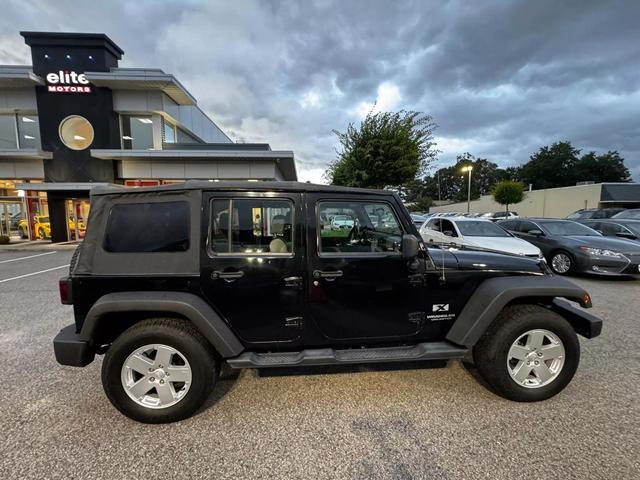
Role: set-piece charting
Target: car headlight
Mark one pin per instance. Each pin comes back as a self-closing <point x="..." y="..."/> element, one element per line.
<point x="601" y="252"/>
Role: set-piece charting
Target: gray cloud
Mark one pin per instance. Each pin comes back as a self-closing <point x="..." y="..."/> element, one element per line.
<point x="500" y="78"/>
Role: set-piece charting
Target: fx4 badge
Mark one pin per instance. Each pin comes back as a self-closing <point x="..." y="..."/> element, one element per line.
<point x="440" y="312"/>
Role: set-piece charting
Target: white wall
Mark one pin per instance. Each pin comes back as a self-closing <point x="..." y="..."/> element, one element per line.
<point x="552" y="202"/>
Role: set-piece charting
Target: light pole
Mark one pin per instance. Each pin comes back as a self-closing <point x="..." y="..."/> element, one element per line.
<point x="468" y="168"/>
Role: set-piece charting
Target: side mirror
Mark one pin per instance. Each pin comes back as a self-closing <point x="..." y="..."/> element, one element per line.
<point x="536" y="232"/>
<point x="410" y="247"/>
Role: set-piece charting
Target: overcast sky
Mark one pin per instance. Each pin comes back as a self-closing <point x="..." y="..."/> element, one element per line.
<point x="500" y="78"/>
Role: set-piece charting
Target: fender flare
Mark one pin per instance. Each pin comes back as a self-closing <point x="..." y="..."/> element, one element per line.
<point x="493" y="294"/>
<point x="188" y="305"/>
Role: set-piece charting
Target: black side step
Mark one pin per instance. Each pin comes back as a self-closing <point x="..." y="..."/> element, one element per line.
<point x="329" y="356"/>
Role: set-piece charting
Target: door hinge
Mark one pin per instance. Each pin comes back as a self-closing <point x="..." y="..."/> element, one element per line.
<point x="295" y="322"/>
<point x="417" y="318"/>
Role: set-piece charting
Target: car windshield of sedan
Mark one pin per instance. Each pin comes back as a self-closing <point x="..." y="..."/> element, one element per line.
<point x="634" y="227"/>
<point x="480" y="228"/>
<point x="568" y="228"/>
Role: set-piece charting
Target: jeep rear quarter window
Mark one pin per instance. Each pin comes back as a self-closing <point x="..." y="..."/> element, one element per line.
<point x="148" y="227"/>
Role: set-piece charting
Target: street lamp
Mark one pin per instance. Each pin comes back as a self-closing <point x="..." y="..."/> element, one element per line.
<point x="468" y="168"/>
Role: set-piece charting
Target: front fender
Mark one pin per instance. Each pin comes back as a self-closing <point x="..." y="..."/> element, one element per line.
<point x="495" y="293"/>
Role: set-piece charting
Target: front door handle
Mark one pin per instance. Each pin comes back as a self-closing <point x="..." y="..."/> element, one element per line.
<point x="328" y="275"/>
<point x="227" y="276"/>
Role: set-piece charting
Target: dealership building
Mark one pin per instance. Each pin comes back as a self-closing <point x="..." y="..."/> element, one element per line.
<point x="74" y="119"/>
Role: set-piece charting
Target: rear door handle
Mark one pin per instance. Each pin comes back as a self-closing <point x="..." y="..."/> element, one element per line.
<point x="228" y="276"/>
<point x="328" y="275"/>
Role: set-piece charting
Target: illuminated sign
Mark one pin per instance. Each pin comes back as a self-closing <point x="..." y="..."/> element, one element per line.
<point x="66" y="81"/>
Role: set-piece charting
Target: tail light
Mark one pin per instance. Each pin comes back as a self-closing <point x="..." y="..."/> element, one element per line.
<point x="64" y="285"/>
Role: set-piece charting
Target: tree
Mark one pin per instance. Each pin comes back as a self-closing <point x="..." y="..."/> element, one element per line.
<point x="608" y="167"/>
<point x="508" y="192"/>
<point x="453" y="182"/>
<point x="561" y="165"/>
<point x="551" y="167"/>
<point x="387" y="149"/>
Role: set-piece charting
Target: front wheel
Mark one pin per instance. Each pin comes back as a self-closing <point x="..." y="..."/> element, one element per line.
<point x="528" y="354"/>
<point x="562" y="263"/>
<point x="159" y="371"/>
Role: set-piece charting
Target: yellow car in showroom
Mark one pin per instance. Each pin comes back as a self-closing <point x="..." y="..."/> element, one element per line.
<point x="42" y="227"/>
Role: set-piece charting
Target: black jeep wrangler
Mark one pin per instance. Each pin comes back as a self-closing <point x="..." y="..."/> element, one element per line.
<point x="172" y="281"/>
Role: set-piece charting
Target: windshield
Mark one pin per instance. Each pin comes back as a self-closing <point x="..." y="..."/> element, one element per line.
<point x="43" y="220"/>
<point x="629" y="214"/>
<point x="341" y="217"/>
<point x="568" y="228"/>
<point x="479" y="228"/>
<point x="634" y="227"/>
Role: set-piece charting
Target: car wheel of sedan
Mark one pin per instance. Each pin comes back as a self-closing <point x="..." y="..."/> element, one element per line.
<point x="562" y="263"/>
<point x="528" y="354"/>
<point x="41" y="234"/>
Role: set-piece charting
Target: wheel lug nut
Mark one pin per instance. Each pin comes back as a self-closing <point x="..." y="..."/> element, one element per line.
<point x="161" y="381"/>
<point x="537" y="362"/>
<point x="151" y="369"/>
<point x="151" y="379"/>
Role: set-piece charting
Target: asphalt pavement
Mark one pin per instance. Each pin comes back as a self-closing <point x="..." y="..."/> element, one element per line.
<point x="404" y="421"/>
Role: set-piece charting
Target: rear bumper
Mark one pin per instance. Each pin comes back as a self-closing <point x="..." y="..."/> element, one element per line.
<point x="71" y="349"/>
<point x="583" y="323"/>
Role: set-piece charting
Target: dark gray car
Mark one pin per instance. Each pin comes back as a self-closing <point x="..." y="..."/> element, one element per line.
<point x="616" y="227"/>
<point x="571" y="247"/>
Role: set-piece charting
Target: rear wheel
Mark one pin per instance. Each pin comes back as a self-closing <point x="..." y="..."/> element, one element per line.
<point x="41" y="233"/>
<point x="159" y="371"/>
<point x="528" y="354"/>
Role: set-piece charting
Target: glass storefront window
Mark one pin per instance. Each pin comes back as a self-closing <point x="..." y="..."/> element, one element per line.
<point x="137" y="132"/>
<point x="8" y="132"/>
<point x="28" y="131"/>
<point x="184" y="137"/>
<point x="169" y="132"/>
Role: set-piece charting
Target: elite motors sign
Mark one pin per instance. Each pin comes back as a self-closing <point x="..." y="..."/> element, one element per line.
<point x="66" y="81"/>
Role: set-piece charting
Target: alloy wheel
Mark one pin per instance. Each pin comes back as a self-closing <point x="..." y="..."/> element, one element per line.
<point x="536" y="358"/>
<point x="561" y="263"/>
<point x="156" y="376"/>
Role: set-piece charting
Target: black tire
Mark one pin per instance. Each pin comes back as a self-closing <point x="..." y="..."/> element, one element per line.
<point x="491" y="351"/>
<point x="572" y="260"/>
<point x="41" y="234"/>
<point x="177" y="334"/>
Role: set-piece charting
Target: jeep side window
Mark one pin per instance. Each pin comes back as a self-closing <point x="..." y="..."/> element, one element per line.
<point x="252" y="226"/>
<point x="148" y="227"/>
<point x="448" y="229"/>
<point x="358" y="227"/>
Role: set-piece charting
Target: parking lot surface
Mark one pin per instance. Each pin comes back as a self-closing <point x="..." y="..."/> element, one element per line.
<point x="403" y="421"/>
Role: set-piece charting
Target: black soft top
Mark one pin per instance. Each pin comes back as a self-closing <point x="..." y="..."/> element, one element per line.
<point x="235" y="185"/>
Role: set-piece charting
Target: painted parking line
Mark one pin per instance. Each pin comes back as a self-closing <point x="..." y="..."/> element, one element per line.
<point x="34" y="273"/>
<point x="25" y="258"/>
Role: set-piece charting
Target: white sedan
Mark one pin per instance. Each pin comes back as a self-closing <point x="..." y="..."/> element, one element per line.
<point x="475" y="232"/>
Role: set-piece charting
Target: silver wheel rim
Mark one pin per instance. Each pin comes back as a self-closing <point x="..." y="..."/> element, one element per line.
<point x="561" y="263"/>
<point x="156" y="376"/>
<point x="536" y="358"/>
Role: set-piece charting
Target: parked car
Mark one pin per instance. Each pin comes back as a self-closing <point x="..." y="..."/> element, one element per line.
<point x="42" y="227"/>
<point x="339" y="222"/>
<point x="586" y="213"/>
<point x="612" y="227"/>
<point x="476" y="232"/>
<point x="418" y="220"/>
<point x="571" y="247"/>
<point x="168" y="306"/>
<point x="631" y="213"/>
<point x="496" y="216"/>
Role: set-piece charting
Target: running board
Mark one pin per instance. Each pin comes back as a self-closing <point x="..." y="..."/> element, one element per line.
<point x="329" y="356"/>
